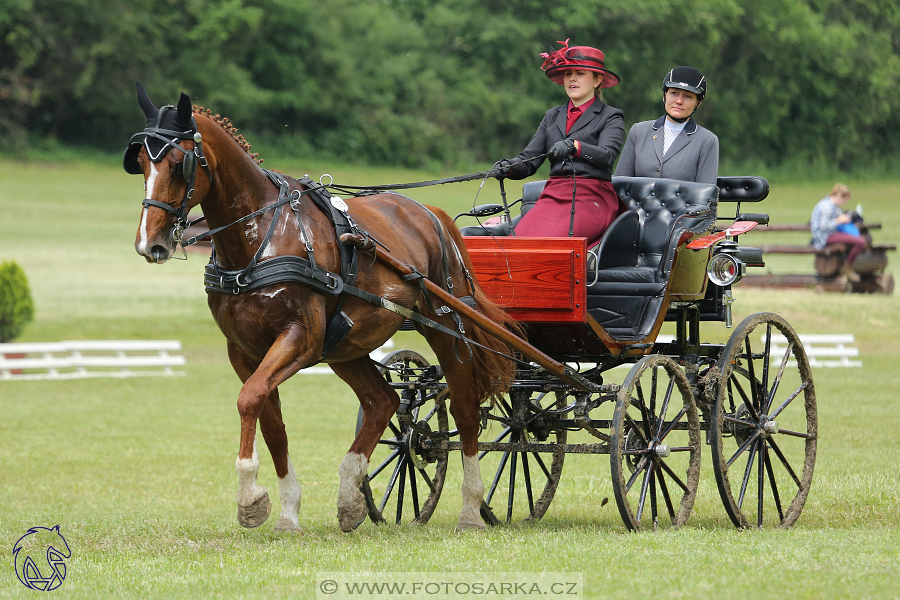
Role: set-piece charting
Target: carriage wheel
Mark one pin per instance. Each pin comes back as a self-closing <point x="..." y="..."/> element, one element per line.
<point x="655" y="446"/>
<point x="406" y="474"/>
<point x="523" y="483"/>
<point x="766" y="418"/>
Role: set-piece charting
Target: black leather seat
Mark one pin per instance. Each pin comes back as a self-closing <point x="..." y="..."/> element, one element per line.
<point x="630" y="266"/>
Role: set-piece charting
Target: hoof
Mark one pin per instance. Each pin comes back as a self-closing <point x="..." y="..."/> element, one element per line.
<point x="285" y="526"/>
<point x="471" y="526"/>
<point x="255" y="514"/>
<point x="352" y="515"/>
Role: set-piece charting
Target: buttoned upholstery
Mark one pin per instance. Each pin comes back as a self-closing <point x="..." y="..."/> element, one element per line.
<point x="632" y="262"/>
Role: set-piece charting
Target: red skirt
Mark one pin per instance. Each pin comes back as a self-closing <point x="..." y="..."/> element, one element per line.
<point x="596" y="206"/>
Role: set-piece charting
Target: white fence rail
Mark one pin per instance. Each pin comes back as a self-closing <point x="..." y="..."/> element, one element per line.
<point x="822" y="349"/>
<point x="90" y="358"/>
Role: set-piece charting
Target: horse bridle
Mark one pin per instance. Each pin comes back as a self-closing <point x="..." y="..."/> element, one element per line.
<point x="170" y="139"/>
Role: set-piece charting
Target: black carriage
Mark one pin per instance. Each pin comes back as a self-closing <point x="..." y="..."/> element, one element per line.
<point x="671" y="257"/>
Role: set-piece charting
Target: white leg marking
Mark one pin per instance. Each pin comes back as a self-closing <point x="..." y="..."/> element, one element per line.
<point x="472" y="493"/>
<point x="247" y="470"/>
<point x="351" y="503"/>
<point x="289" y="490"/>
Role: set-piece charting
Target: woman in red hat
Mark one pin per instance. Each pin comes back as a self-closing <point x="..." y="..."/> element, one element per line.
<point x="583" y="138"/>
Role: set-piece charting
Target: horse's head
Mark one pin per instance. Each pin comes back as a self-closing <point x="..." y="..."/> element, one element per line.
<point x="168" y="153"/>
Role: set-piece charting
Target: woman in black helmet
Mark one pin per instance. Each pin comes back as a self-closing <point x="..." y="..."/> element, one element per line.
<point x="674" y="146"/>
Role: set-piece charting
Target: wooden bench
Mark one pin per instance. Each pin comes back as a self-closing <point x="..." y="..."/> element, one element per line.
<point x="823" y="350"/>
<point x="84" y="359"/>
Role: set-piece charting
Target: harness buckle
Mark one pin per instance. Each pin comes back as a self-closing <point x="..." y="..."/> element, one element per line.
<point x="444" y="310"/>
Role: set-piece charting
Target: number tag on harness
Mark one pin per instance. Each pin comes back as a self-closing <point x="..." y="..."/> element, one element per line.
<point x="339" y="204"/>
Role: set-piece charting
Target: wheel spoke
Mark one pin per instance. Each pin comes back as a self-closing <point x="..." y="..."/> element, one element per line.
<point x="426" y="478"/>
<point x="413" y="487"/>
<point x="635" y="428"/>
<point x="784" y="462"/>
<point x="397" y="433"/>
<point x="761" y="483"/>
<point x="654" y="515"/>
<point x="743" y="447"/>
<point x="665" y="409"/>
<point x="665" y="492"/>
<point x="774" y="487"/>
<point x="674" y="477"/>
<point x="511" y="493"/>
<point x="644" y="486"/>
<point x="381" y="467"/>
<point x="526" y="472"/>
<point x="390" y="486"/>
<point x="654" y="379"/>
<point x="497" y="476"/>
<point x="643" y="408"/>
<point x="540" y="463"/>
<point x="637" y="471"/>
<point x="751" y="368"/>
<point x="790" y="398"/>
<point x="765" y="365"/>
<point x="401" y="489"/>
<point x="747" y="471"/>
<point x="747" y="401"/>
<point x="499" y="438"/>
<point x="778" y="376"/>
<point x="805" y="436"/>
<point x="672" y="424"/>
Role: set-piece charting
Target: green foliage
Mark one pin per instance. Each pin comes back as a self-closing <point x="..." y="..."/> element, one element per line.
<point x="419" y="83"/>
<point x="16" y="307"/>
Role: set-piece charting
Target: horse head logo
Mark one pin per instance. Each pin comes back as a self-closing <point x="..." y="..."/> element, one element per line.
<point x="46" y="544"/>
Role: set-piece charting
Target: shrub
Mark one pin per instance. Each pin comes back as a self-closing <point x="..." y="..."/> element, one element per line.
<point x="16" y="307"/>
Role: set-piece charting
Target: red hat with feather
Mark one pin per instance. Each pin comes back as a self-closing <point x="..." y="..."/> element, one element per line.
<point x="583" y="58"/>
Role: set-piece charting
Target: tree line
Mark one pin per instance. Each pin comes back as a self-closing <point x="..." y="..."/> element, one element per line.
<point x="440" y="82"/>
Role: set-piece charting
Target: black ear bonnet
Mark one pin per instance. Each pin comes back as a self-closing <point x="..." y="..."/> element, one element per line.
<point x="166" y="127"/>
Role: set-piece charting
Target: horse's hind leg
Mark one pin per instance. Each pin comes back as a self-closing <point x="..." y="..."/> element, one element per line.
<point x="379" y="402"/>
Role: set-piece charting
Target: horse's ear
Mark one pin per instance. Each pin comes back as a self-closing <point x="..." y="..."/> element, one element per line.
<point x="183" y="116"/>
<point x="144" y="100"/>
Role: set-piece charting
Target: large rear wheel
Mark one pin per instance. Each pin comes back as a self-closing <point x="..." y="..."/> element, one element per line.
<point x="764" y="429"/>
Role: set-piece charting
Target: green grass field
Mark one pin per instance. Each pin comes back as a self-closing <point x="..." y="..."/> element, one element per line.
<point x="139" y="473"/>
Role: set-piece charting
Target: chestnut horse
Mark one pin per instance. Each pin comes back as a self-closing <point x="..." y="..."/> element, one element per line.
<point x="275" y="331"/>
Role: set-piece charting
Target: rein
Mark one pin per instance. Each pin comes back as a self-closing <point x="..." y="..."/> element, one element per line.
<point x="418" y="184"/>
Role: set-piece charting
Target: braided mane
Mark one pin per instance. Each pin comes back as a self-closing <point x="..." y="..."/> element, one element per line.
<point x="231" y="129"/>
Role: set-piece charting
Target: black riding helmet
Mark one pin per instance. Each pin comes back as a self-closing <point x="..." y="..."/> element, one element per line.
<point x="685" y="78"/>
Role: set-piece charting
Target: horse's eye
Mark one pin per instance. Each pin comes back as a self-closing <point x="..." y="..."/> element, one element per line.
<point x="179" y="169"/>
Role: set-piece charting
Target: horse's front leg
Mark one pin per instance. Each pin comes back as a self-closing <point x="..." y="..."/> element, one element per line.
<point x="379" y="402"/>
<point x="258" y="401"/>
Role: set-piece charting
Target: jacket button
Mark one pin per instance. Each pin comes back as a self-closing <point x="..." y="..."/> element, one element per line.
<point x="657" y="170"/>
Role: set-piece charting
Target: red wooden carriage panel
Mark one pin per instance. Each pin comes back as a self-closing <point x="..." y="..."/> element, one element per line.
<point x="537" y="280"/>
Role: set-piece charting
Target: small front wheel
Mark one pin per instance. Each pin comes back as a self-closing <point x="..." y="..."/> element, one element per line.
<point x="655" y="446"/>
<point x="407" y="469"/>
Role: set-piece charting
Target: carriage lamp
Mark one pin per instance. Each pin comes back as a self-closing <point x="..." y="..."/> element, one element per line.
<point x="724" y="269"/>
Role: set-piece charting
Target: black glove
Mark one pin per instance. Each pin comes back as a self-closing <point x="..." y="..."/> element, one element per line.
<point x="562" y="149"/>
<point x="502" y="168"/>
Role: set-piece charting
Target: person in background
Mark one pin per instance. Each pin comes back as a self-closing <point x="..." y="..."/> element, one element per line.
<point x="831" y="225"/>
<point x="674" y="146"/>
<point x="583" y="137"/>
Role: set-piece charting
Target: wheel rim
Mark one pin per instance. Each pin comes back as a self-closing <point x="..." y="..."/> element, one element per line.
<point x="522" y="483"/>
<point x="406" y="473"/>
<point x="765" y="430"/>
<point x="655" y="446"/>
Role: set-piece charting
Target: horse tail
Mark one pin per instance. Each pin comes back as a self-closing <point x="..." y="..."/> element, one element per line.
<point x="493" y="373"/>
